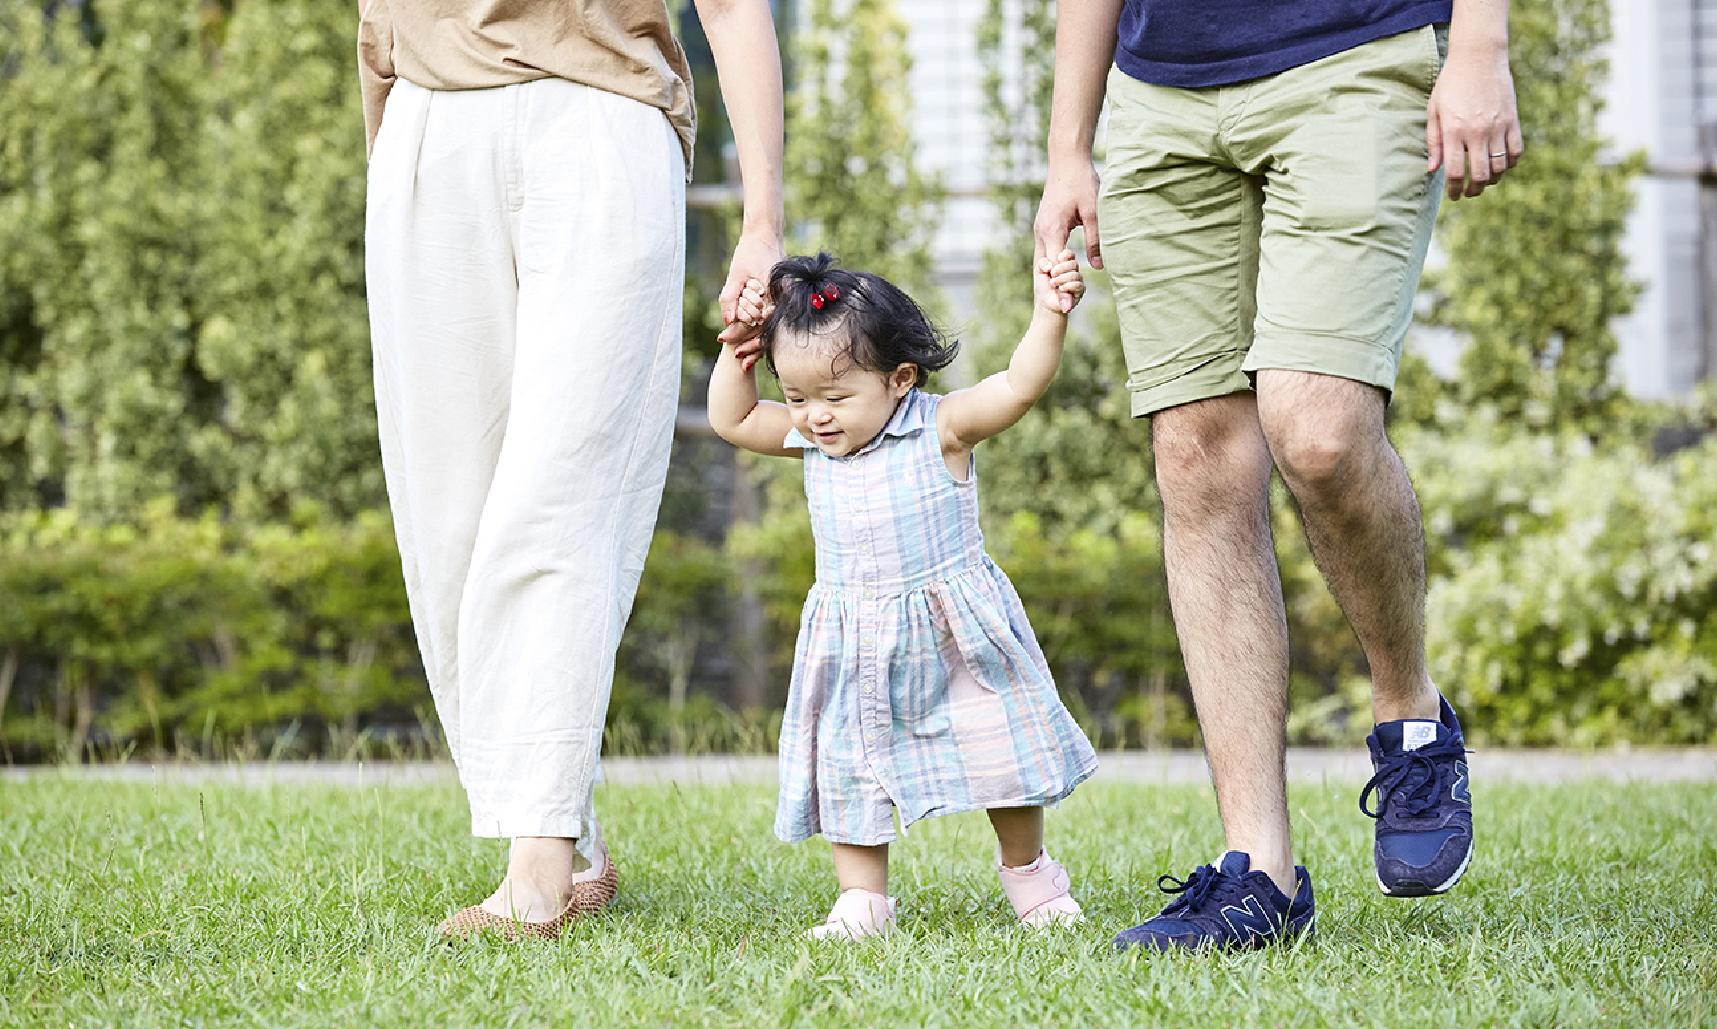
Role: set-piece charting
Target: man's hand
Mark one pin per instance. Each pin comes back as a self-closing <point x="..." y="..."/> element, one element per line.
<point x="1471" y="127"/>
<point x="753" y="258"/>
<point x="1069" y="202"/>
<point x="1085" y="33"/>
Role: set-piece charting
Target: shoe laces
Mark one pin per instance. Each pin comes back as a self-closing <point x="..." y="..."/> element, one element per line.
<point x="1421" y="779"/>
<point x="1194" y="890"/>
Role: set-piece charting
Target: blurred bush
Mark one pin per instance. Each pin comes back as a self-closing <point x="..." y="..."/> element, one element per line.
<point x="191" y="636"/>
<point x="181" y="258"/>
<point x="1573" y="591"/>
<point x="205" y="638"/>
<point x="1573" y="602"/>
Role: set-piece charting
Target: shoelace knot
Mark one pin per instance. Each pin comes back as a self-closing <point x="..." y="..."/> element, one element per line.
<point x="1425" y="779"/>
<point x="1194" y="890"/>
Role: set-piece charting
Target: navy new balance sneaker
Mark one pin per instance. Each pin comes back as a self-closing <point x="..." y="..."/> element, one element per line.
<point x="1424" y="808"/>
<point x="1225" y="907"/>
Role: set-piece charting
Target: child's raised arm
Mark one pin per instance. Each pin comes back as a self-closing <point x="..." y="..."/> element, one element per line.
<point x="735" y="412"/>
<point x="978" y="412"/>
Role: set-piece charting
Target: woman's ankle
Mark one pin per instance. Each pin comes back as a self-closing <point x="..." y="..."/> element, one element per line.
<point x="546" y="862"/>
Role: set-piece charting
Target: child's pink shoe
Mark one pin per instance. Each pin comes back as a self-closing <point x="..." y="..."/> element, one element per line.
<point x="1039" y="893"/>
<point x="856" y="913"/>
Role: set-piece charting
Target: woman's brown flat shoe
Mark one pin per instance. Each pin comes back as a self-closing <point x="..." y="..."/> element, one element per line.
<point x="588" y="897"/>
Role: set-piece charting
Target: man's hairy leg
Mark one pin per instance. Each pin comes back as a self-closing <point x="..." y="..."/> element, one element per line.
<point x="1213" y="470"/>
<point x="1362" y="521"/>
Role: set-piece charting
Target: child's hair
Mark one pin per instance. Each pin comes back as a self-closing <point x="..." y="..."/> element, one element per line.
<point x="882" y="327"/>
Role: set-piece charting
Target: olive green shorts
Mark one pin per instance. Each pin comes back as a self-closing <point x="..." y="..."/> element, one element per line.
<point x="1280" y="222"/>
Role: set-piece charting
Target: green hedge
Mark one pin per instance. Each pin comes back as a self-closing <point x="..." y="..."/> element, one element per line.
<point x="1573" y="597"/>
<point x="193" y="636"/>
<point x="1573" y="601"/>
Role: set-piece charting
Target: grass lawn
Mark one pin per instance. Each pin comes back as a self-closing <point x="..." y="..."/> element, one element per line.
<point x="1586" y="904"/>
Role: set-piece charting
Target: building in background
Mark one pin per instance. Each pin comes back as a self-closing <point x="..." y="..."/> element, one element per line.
<point x="952" y="137"/>
<point x="1662" y="99"/>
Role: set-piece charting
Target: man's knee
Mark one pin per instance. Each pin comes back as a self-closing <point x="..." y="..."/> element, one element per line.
<point x="1323" y="435"/>
<point x="1210" y="455"/>
<point x="1316" y="456"/>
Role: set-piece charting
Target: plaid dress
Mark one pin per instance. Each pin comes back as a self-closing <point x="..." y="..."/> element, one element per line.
<point x="917" y="683"/>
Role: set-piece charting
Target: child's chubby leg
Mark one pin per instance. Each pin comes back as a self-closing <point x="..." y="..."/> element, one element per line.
<point x="1035" y="883"/>
<point x="1019" y="833"/>
<point x="864" y="907"/>
<point x="861" y="868"/>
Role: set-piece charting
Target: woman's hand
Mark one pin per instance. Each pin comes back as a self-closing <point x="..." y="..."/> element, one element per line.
<point x="753" y="258"/>
<point x="741" y="36"/>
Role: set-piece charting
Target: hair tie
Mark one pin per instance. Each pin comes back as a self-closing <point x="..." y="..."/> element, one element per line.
<point x="829" y="294"/>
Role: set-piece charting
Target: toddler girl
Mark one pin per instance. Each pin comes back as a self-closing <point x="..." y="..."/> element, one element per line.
<point x="918" y="686"/>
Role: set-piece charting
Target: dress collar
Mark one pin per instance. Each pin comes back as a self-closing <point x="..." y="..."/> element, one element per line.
<point x="910" y="417"/>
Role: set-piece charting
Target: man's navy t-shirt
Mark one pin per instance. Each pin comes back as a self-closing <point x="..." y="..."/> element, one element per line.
<point x="1214" y="42"/>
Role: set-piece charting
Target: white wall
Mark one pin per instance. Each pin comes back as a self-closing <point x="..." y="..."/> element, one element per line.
<point x="949" y="130"/>
<point x="1651" y="107"/>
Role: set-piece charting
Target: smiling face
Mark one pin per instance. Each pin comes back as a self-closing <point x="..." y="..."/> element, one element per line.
<point x="835" y="404"/>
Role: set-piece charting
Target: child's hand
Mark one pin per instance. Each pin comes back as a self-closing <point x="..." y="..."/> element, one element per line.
<point x="752" y="308"/>
<point x="1057" y="283"/>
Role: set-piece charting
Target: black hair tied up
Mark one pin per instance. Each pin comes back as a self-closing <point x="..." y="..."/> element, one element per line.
<point x="882" y="327"/>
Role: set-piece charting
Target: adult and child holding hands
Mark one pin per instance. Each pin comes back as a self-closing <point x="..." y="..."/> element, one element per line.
<point x="1272" y="173"/>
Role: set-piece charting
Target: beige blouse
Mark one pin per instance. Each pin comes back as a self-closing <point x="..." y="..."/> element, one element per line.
<point x="622" y="46"/>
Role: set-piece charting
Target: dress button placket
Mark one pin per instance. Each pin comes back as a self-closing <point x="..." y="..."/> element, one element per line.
<point x="873" y="712"/>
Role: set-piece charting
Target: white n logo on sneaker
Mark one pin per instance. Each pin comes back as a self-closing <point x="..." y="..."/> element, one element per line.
<point x="1249" y="919"/>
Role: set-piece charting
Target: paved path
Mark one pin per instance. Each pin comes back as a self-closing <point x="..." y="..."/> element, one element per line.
<point x="1348" y="767"/>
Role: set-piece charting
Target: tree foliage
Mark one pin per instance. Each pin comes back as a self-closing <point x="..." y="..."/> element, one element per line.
<point x="1078" y="460"/>
<point x="851" y="184"/>
<point x="1535" y="271"/>
<point x="181" y="219"/>
<point x="287" y="339"/>
<point x="1015" y="45"/>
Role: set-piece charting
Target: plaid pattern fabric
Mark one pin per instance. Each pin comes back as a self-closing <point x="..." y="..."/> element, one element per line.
<point x="918" y="685"/>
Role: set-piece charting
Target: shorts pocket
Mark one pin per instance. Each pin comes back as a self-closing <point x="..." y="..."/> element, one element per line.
<point x="1436" y="40"/>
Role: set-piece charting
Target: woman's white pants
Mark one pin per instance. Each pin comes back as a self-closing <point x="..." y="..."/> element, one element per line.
<point x="525" y="248"/>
